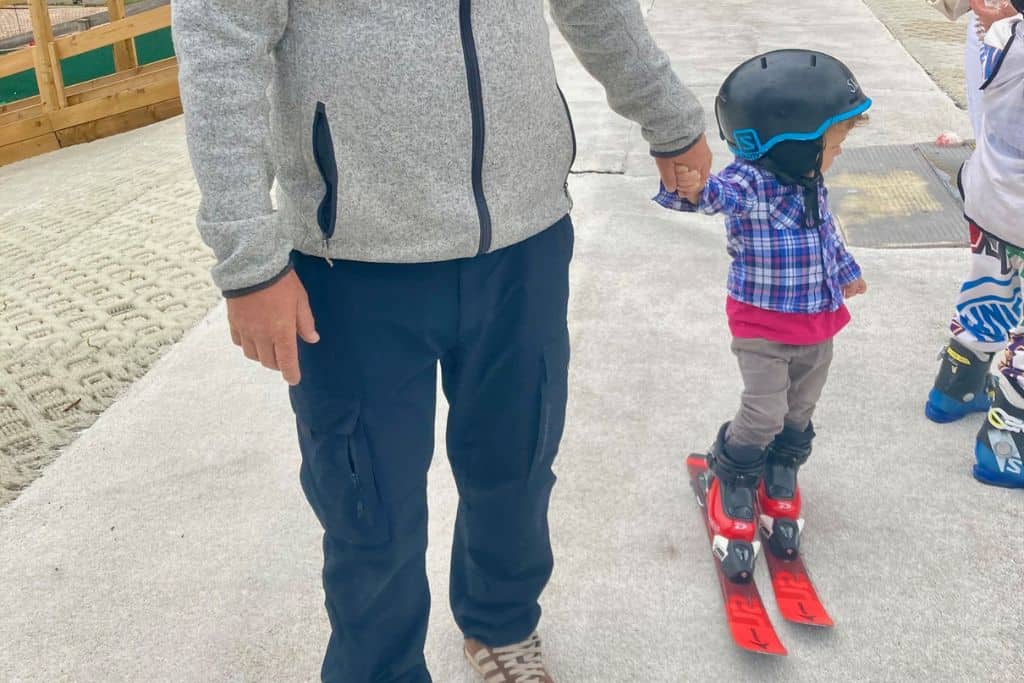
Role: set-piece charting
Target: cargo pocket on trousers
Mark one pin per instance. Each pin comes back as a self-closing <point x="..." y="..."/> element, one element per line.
<point x="554" y="394"/>
<point x="338" y="478"/>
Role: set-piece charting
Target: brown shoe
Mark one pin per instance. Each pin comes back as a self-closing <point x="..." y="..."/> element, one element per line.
<point x="518" y="663"/>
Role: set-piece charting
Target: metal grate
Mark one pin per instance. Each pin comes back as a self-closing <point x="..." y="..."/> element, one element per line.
<point x="899" y="196"/>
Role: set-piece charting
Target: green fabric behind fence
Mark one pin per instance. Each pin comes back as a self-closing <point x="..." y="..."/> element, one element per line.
<point x="151" y="47"/>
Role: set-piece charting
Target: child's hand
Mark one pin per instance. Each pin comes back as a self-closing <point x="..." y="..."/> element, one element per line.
<point x="856" y="287"/>
<point x="988" y="16"/>
<point x="690" y="184"/>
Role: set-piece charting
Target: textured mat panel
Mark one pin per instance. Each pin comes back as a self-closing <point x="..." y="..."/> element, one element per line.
<point x="101" y="269"/>
<point x="899" y="196"/>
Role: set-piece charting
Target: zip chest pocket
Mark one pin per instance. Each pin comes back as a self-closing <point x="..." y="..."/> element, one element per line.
<point x="327" y="164"/>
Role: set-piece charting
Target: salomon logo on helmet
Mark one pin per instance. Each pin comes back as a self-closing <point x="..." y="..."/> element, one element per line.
<point x="748" y="144"/>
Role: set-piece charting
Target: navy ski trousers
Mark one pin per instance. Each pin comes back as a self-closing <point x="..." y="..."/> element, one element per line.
<point x="365" y="411"/>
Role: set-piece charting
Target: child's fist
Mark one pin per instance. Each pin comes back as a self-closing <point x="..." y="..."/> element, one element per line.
<point x="856" y="287"/>
<point x="689" y="184"/>
<point x="988" y="15"/>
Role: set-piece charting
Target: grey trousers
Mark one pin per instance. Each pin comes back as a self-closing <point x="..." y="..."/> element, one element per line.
<point x="781" y="387"/>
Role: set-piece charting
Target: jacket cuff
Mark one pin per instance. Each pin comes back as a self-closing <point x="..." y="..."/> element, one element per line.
<point x="235" y="293"/>
<point x="673" y="200"/>
<point x="674" y="149"/>
<point x="849" y="273"/>
<point x="250" y="252"/>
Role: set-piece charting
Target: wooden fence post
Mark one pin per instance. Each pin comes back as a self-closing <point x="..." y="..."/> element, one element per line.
<point x="125" y="56"/>
<point x="48" y="72"/>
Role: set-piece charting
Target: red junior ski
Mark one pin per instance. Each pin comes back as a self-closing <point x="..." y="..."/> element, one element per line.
<point x="794" y="592"/>
<point x="748" y="621"/>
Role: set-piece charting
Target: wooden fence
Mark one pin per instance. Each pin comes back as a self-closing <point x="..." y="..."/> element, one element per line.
<point x="63" y="115"/>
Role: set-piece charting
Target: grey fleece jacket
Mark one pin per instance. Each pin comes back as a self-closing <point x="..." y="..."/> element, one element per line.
<point x="398" y="130"/>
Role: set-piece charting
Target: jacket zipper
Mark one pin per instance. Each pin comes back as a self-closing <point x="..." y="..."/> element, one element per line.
<point x="326" y="161"/>
<point x="476" y="109"/>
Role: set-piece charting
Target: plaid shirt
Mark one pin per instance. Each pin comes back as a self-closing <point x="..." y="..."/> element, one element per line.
<point x="778" y="263"/>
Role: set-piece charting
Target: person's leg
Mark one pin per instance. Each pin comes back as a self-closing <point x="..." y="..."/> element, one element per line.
<point x="779" y="495"/>
<point x="764" y="366"/>
<point x="999" y="449"/>
<point x="365" y="413"/>
<point x="808" y="373"/>
<point x="506" y="384"/>
<point x="988" y="307"/>
<point x="989" y="303"/>
<point x="737" y="457"/>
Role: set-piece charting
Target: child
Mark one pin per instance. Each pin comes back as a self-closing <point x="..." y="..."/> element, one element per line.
<point x="785" y="115"/>
<point x="988" y="311"/>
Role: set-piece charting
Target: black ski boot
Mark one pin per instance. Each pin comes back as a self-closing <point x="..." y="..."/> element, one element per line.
<point x="731" y="504"/>
<point x="962" y="385"/>
<point x="1000" y="442"/>
<point x="778" y="496"/>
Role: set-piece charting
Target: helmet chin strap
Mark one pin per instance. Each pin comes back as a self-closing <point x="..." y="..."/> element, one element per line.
<point x="787" y="168"/>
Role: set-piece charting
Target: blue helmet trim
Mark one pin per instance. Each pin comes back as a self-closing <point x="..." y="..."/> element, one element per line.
<point x="749" y="145"/>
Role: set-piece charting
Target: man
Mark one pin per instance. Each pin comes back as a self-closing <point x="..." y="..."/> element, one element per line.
<point x="422" y="151"/>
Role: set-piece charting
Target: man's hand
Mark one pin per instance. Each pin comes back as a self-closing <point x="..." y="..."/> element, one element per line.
<point x="988" y="16"/>
<point x="697" y="158"/>
<point x="856" y="287"/>
<point x="266" y="325"/>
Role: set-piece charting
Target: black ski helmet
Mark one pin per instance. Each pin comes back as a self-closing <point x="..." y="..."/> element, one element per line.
<point x="785" y="95"/>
